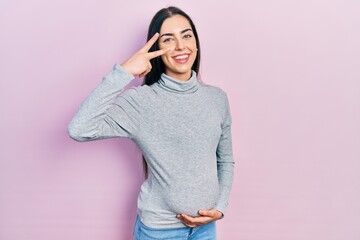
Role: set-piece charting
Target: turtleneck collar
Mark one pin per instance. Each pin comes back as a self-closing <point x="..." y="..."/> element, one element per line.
<point x="177" y="86"/>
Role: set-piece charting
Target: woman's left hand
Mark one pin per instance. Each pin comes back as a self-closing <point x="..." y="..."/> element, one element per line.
<point x="206" y="216"/>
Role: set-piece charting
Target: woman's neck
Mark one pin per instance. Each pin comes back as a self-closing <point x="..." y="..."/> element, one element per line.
<point x="174" y="85"/>
<point x="179" y="76"/>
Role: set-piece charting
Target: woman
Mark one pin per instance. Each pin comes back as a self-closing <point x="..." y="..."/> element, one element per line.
<point x="181" y="126"/>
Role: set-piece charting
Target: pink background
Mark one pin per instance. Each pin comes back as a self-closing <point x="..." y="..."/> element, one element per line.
<point x="291" y="71"/>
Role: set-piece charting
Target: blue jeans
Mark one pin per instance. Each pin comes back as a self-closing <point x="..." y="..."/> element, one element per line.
<point x="204" y="232"/>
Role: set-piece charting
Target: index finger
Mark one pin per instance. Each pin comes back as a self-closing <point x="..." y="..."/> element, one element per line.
<point x="151" y="42"/>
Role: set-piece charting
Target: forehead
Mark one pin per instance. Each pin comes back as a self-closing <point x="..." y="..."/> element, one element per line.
<point x="175" y="24"/>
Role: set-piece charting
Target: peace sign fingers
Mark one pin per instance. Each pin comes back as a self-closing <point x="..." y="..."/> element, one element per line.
<point x="157" y="53"/>
<point x="139" y="64"/>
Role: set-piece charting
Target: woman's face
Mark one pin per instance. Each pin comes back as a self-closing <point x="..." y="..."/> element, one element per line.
<point x="176" y="33"/>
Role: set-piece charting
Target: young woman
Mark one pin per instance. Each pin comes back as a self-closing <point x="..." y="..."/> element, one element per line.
<point x="181" y="126"/>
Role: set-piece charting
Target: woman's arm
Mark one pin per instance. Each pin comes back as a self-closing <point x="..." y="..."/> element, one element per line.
<point x="225" y="162"/>
<point x="102" y="115"/>
<point x="94" y="118"/>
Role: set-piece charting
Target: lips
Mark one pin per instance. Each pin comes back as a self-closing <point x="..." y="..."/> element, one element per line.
<point x="181" y="58"/>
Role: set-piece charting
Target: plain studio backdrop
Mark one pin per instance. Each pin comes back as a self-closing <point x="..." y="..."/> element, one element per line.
<point x="291" y="70"/>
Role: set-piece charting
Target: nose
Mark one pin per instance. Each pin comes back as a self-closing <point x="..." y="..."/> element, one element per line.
<point x="179" y="44"/>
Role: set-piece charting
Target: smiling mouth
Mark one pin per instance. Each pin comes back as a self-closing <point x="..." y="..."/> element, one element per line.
<point x="181" y="58"/>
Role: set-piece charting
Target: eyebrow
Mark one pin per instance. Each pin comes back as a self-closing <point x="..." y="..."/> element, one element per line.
<point x="171" y="34"/>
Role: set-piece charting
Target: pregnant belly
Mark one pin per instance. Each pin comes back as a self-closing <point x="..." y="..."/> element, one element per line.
<point x="189" y="197"/>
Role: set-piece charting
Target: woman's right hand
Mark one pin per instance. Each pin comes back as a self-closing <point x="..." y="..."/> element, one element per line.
<point x="139" y="64"/>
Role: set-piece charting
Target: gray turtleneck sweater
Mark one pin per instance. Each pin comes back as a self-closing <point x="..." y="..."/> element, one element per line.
<point x="183" y="131"/>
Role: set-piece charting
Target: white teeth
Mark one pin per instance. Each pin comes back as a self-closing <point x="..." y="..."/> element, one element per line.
<point x="182" y="57"/>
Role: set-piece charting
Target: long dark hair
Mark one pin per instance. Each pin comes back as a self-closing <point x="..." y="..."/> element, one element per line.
<point x="158" y="66"/>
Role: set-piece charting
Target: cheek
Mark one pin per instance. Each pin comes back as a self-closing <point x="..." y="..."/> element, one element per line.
<point x="166" y="45"/>
<point x="193" y="48"/>
<point x="165" y="59"/>
<point x="192" y="44"/>
<point x="161" y="46"/>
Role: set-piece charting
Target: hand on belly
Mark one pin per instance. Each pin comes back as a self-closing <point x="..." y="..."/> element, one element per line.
<point x="205" y="217"/>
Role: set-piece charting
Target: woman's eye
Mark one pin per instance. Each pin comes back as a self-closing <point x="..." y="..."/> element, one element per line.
<point x="167" y="40"/>
<point x="187" y="36"/>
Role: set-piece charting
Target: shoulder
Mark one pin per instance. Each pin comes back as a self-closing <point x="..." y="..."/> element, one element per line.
<point x="139" y="94"/>
<point x="138" y="90"/>
<point x="215" y="91"/>
<point x="218" y="98"/>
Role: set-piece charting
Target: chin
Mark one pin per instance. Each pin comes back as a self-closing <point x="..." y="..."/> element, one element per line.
<point x="181" y="69"/>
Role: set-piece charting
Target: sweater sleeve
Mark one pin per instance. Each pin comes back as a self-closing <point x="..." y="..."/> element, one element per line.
<point x="106" y="113"/>
<point x="225" y="162"/>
